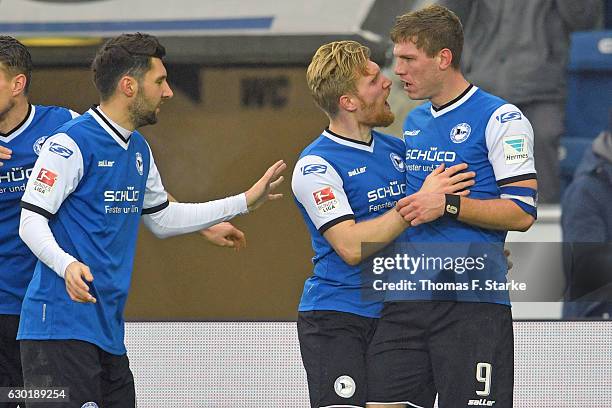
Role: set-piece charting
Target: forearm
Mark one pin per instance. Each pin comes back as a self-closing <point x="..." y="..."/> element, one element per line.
<point x="496" y="214"/>
<point x="347" y="240"/>
<point x="35" y="232"/>
<point x="183" y="218"/>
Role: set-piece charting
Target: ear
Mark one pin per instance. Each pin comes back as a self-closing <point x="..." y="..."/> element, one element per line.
<point x="348" y="103"/>
<point x="128" y="86"/>
<point x="19" y="83"/>
<point x="446" y="58"/>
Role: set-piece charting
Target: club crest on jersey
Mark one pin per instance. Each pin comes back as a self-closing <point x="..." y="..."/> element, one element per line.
<point x="325" y="200"/>
<point x="38" y="144"/>
<point x="314" y="168"/>
<point x="398" y="162"/>
<point x="139" y="163"/>
<point x="45" y="181"/>
<point x="60" y="150"/>
<point x="460" y="133"/>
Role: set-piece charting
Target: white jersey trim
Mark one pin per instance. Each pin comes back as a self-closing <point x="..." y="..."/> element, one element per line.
<point x="21" y="128"/>
<point x="455" y="105"/>
<point x="98" y="115"/>
<point x="348" y="143"/>
<point x="155" y="193"/>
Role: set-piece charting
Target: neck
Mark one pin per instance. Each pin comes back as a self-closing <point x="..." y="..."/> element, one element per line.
<point x="118" y="114"/>
<point x="454" y="86"/>
<point x="14" y="116"/>
<point x="351" y="129"/>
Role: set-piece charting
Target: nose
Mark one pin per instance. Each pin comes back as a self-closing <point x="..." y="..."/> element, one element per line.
<point x="398" y="68"/>
<point x="386" y="82"/>
<point x="167" y="93"/>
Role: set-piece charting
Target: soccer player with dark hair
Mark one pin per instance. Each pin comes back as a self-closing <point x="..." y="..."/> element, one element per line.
<point x="460" y="340"/>
<point x="93" y="182"/>
<point x="346" y="184"/>
<point x="23" y="129"/>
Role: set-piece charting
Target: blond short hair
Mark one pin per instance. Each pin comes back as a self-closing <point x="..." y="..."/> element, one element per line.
<point x="334" y="71"/>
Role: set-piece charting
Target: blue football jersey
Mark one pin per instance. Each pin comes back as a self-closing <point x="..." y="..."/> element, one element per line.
<point x="93" y="181"/>
<point x="496" y="140"/>
<point x="337" y="179"/>
<point x="16" y="260"/>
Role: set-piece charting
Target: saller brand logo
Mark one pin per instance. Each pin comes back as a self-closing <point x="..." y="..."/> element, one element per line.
<point x="483" y="402"/>
<point x="358" y="170"/>
<point x="106" y="163"/>
<point x="412" y="132"/>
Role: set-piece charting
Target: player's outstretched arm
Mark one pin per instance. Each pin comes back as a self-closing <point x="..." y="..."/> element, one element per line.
<point x="5" y="154"/>
<point x="347" y="237"/>
<point x="223" y="234"/>
<point x="261" y="191"/>
<point x="172" y="218"/>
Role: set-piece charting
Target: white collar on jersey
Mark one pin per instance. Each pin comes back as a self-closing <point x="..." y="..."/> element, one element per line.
<point x="21" y="127"/>
<point x="120" y="134"/>
<point x="347" y="142"/>
<point x="454" y="104"/>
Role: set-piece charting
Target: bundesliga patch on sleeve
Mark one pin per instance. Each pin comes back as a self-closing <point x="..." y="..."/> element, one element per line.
<point x="515" y="149"/>
<point x="325" y="200"/>
<point x="45" y="181"/>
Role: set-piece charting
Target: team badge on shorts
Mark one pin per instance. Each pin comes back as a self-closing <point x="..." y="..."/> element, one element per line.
<point x="460" y="133"/>
<point x="38" y="144"/>
<point x="345" y="386"/>
<point x="89" y="405"/>
<point x="139" y="163"/>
